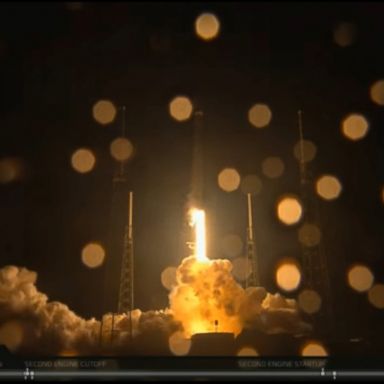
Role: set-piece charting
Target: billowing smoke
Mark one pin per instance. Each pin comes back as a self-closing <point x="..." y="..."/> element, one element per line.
<point x="205" y="298"/>
<point x="32" y="325"/>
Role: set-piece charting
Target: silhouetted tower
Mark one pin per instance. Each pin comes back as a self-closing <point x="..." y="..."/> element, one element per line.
<point x="126" y="293"/>
<point x="314" y="260"/>
<point x="253" y="279"/>
<point x="119" y="269"/>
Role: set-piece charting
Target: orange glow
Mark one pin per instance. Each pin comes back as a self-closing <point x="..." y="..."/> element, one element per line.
<point x="121" y="149"/>
<point x="344" y="34"/>
<point x="309" y="301"/>
<point x="360" y="278"/>
<point x="181" y="108"/>
<point x="260" y="115"/>
<point x="247" y="351"/>
<point x="201" y="326"/>
<point x="229" y="179"/>
<point x="207" y="26"/>
<point x="288" y="275"/>
<point x="178" y="344"/>
<point x="273" y="167"/>
<point x="309" y="235"/>
<point x="328" y="187"/>
<point x="198" y="221"/>
<point x="11" y="170"/>
<point x="289" y="210"/>
<point x="355" y="127"/>
<point x="305" y="150"/>
<point x="376" y="296"/>
<point x="168" y="277"/>
<point x="11" y="335"/>
<point x="314" y="348"/>
<point x="68" y="353"/>
<point x="83" y="160"/>
<point x="377" y="92"/>
<point x="93" y="255"/>
<point x="104" y="112"/>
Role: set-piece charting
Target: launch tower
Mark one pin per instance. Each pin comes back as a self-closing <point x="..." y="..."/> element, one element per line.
<point x="253" y="279"/>
<point x="314" y="260"/>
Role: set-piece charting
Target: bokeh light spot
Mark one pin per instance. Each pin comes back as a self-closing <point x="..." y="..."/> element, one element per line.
<point x="121" y="149"/>
<point x="83" y="160"/>
<point x="178" y="344"/>
<point x="168" y="277"/>
<point x="260" y="115"/>
<point x="74" y="5"/>
<point x="11" y="170"/>
<point x="309" y="301"/>
<point x="11" y="335"/>
<point x="355" y="127"/>
<point x="377" y="92"/>
<point x="288" y="275"/>
<point x="273" y="167"/>
<point x="207" y="26"/>
<point x="344" y="34"/>
<point x="251" y="184"/>
<point x="309" y="235"/>
<point x="229" y="179"/>
<point x="289" y="210"/>
<point x="376" y="296"/>
<point x="247" y="351"/>
<point x="104" y="112"/>
<point x="314" y="348"/>
<point x="305" y="150"/>
<point x="242" y="268"/>
<point x="93" y="255"/>
<point x="181" y="108"/>
<point x="68" y="352"/>
<point x="360" y="278"/>
<point x="232" y="245"/>
<point x="328" y="187"/>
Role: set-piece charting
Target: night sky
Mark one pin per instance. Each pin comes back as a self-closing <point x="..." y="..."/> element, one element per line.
<point x="58" y="60"/>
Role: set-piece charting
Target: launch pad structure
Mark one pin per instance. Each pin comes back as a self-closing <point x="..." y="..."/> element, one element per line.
<point x="123" y="226"/>
<point x="253" y="278"/>
<point x="314" y="261"/>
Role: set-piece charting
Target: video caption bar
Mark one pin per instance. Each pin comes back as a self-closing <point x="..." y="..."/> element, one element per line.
<point x="322" y="375"/>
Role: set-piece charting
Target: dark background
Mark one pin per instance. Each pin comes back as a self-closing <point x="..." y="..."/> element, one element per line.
<point x="56" y="62"/>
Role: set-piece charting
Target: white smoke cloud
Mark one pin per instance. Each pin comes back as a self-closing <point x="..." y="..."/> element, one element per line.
<point x="204" y="292"/>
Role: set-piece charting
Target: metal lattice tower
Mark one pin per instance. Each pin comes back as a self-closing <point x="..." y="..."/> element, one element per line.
<point x="122" y="243"/>
<point x="126" y="292"/>
<point x="126" y="288"/>
<point x="314" y="260"/>
<point x="254" y="277"/>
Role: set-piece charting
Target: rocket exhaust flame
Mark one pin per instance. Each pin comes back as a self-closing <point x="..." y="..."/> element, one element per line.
<point x="198" y="221"/>
<point x="205" y="298"/>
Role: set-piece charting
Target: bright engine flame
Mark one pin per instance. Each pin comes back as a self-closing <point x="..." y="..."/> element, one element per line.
<point x="198" y="221"/>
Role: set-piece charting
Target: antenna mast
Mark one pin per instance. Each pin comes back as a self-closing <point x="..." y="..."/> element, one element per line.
<point x="253" y="279"/>
<point x="314" y="260"/>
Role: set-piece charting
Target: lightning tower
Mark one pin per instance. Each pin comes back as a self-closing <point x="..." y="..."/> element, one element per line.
<point x="314" y="260"/>
<point x="119" y="287"/>
<point x="253" y="279"/>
